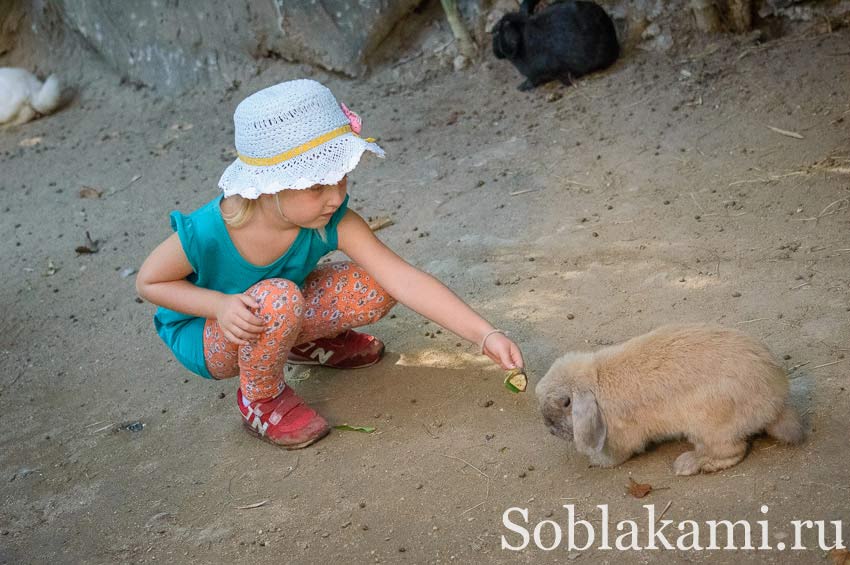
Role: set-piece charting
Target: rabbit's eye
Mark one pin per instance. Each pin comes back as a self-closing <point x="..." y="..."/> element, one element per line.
<point x="567" y="403"/>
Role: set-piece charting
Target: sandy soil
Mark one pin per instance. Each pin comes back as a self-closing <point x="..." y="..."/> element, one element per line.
<point x="574" y="218"/>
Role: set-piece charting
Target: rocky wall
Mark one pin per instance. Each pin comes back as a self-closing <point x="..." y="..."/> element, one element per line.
<point x="174" y="44"/>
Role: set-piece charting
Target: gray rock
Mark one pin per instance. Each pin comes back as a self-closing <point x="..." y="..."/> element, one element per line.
<point x="175" y="46"/>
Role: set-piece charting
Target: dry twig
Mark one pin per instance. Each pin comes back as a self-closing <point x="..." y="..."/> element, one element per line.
<point x="770" y="178"/>
<point x="750" y="321"/>
<point x="828" y="364"/>
<point x="483" y="474"/>
<point x="663" y="512"/>
<point x="255" y="505"/>
<point x="785" y="132"/>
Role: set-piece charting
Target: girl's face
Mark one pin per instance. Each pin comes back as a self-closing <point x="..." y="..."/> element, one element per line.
<point x="312" y="207"/>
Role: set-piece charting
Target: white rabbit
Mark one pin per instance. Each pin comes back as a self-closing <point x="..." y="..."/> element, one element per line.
<point x="23" y="97"/>
<point x="712" y="385"/>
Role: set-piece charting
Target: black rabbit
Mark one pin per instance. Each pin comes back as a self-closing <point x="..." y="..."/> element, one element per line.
<point x="563" y="42"/>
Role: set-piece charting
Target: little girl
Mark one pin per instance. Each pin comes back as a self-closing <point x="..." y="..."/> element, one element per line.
<point x="238" y="285"/>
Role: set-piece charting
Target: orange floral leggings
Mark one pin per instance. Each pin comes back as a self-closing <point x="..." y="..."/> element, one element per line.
<point x="335" y="297"/>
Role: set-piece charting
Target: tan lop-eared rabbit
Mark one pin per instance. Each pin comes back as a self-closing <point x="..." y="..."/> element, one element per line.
<point x="712" y="385"/>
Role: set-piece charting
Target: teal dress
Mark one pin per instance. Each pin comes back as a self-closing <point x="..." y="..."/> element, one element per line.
<point x="217" y="265"/>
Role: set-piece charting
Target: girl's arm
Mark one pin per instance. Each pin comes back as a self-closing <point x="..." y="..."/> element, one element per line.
<point x="420" y="291"/>
<point x="162" y="281"/>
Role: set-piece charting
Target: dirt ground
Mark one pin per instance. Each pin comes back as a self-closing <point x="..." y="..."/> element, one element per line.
<point x="573" y="217"/>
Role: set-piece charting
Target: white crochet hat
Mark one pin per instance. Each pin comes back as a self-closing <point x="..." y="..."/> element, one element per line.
<point x="292" y="136"/>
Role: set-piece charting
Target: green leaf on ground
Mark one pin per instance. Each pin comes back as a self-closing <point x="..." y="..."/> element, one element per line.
<point x="348" y="428"/>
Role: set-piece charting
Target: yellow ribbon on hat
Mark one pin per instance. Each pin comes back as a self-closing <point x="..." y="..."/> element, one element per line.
<point x="301" y="149"/>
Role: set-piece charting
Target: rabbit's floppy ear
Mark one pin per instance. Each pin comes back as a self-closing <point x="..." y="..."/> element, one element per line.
<point x="589" y="431"/>
<point x="508" y="37"/>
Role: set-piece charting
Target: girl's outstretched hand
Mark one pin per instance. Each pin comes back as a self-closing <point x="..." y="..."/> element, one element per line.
<point x="504" y="352"/>
<point x="238" y="322"/>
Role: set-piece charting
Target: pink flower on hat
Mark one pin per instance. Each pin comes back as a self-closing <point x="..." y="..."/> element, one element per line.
<point x="353" y="118"/>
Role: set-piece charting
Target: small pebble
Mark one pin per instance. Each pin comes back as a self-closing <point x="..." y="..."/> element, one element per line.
<point x="221" y="395"/>
<point x="570" y="316"/>
<point x="736" y="295"/>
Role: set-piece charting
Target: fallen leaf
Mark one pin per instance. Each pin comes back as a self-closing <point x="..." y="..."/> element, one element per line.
<point x="452" y="118"/>
<point x="90" y="192"/>
<point x="638" y="490"/>
<point x="255" y="505"/>
<point x="90" y="246"/>
<point x="840" y="556"/>
<point x="346" y="427"/>
<point x="380" y="223"/>
<point x="30" y="141"/>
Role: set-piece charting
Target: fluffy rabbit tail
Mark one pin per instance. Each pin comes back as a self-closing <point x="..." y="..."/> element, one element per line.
<point x="47" y="99"/>
<point x="786" y="427"/>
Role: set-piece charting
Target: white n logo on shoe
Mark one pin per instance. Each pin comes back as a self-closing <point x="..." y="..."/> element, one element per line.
<point x="319" y="354"/>
<point x="257" y="424"/>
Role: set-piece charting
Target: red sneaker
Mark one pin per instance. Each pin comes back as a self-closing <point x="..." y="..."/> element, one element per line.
<point x="283" y="420"/>
<point x="348" y="350"/>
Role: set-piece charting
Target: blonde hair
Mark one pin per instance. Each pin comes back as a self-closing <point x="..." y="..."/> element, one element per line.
<point x="243" y="212"/>
<point x="245" y="209"/>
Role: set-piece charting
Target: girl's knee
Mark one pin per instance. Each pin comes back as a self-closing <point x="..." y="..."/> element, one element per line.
<point x="280" y="305"/>
<point x="384" y="303"/>
<point x="373" y="293"/>
<point x="373" y="300"/>
<point x="277" y="295"/>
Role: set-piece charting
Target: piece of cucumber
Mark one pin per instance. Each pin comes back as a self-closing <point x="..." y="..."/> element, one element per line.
<point x="516" y="381"/>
